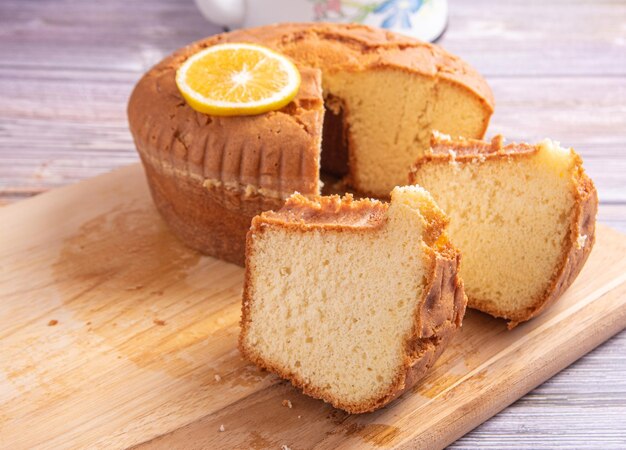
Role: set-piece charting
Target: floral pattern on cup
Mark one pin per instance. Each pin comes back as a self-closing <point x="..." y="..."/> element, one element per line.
<point x="393" y="13"/>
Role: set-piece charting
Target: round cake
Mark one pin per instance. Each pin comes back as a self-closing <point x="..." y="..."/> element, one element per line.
<point x="366" y="108"/>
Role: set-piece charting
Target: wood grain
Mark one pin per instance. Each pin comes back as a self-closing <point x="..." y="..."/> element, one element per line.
<point x="131" y="341"/>
<point x="557" y="69"/>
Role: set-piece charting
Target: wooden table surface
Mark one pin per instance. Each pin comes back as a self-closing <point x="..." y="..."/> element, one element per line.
<point x="557" y="69"/>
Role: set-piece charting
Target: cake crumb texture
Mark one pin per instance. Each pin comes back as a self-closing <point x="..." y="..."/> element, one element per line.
<point x="522" y="215"/>
<point x="351" y="300"/>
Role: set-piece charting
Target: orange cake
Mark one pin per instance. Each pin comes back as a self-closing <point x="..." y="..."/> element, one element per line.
<point x="522" y="215"/>
<point x="351" y="300"/>
<point x="365" y="110"/>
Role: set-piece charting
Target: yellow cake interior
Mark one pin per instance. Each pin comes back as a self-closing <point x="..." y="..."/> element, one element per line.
<point x="511" y="220"/>
<point x="328" y="303"/>
<point x="390" y="115"/>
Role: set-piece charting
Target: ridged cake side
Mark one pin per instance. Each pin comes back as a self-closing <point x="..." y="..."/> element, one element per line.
<point x="210" y="175"/>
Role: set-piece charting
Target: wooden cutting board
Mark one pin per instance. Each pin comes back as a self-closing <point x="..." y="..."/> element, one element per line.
<point x="113" y="334"/>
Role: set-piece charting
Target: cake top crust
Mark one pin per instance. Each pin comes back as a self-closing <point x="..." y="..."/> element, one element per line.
<point x="328" y="212"/>
<point x="444" y="149"/>
<point x="348" y="46"/>
<point x="462" y="148"/>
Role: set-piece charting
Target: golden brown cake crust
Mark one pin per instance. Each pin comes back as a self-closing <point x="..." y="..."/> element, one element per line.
<point x="438" y="315"/>
<point x="248" y="155"/>
<point x="329" y="213"/>
<point x="582" y="223"/>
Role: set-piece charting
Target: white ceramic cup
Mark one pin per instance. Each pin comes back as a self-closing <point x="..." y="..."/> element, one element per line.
<point x="422" y="19"/>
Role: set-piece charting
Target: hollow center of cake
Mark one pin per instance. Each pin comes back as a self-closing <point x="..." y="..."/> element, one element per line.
<point x="334" y="159"/>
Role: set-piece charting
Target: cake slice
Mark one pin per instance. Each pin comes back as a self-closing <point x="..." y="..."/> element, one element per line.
<point x="522" y="215"/>
<point x="351" y="300"/>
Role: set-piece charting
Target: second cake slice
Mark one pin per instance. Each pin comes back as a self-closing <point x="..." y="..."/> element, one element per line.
<point x="522" y="215"/>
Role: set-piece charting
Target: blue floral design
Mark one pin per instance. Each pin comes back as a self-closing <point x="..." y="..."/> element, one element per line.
<point x="399" y="10"/>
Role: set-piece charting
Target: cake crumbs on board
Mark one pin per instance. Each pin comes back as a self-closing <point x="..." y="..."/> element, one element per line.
<point x="218" y="378"/>
<point x="222" y="429"/>
<point x="53" y="322"/>
<point x="158" y="322"/>
<point x="287" y="403"/>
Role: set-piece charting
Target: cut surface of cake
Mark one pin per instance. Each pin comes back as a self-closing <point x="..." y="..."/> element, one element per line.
<point x="351" y="300"/>
<point x="522" y="215"/>
<point x="373" y="95"/>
